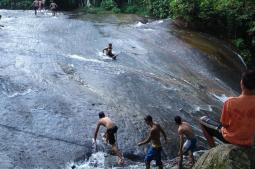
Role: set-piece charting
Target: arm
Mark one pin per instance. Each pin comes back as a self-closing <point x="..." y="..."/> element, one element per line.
<point x="145" y="141"/>
<point x="105" y="49"/>
<point x="163" y="132"/>
<point x="225" y="115"/>
<point x="97" y="129"/>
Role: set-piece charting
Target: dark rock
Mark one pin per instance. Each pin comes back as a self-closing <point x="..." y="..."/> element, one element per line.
<point x="227" y="156"/>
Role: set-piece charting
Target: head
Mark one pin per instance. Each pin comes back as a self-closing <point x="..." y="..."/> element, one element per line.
<point x="148" y="120"/>
<point x="248" y="80"/>
<point x="178" y="120"/>
<point x="110" y="45"/>
<point x="101" y="115"/>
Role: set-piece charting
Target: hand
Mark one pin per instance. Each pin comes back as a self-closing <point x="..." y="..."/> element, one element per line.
<point x="94" y="141"/>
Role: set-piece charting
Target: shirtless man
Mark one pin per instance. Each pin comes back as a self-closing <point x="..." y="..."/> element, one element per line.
<point x="53" y="7"/>
<point x="109" y="135"/>
<point x="154" y="152"/>
<point x="109" y="52"/>
<point x="35" y="6"/>
<point x="185" y="129"/>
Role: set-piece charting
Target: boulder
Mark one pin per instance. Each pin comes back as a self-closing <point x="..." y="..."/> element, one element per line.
<point x="227" y="156"/>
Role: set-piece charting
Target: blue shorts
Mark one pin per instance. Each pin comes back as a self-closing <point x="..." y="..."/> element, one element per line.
<point x="154" y="154"/>
<point x="189" y="145"/>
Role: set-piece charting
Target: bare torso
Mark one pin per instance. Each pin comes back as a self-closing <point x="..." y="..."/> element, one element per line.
<point x="186" y="130"/>
<point x="155" y="136"/>
<point x="106" y="122"/>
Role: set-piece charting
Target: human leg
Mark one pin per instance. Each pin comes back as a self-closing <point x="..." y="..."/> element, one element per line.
<point x="118" y="153"/>
<point x="191" y="158"/>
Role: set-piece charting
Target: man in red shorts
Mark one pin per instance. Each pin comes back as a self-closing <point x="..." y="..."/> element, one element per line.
<point x="237" y="118"/>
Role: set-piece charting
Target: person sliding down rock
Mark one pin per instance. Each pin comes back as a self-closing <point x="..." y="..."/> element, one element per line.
<point x="109" y="52"/>
<point x="111" y="130"/>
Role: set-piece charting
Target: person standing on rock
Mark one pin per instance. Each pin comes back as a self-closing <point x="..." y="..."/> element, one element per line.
<point x="53" y="7"/>
<point x="237" y="118"/>
<point x="111" y="130"/>
<point x="185" y="130"/>
<point x="35" y="6"/>
<point x="154" y="152"/>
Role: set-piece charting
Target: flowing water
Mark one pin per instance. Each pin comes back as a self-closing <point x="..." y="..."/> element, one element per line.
<point x="55" y="79"/>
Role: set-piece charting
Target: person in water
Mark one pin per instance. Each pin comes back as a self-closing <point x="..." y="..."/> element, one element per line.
<point x="111" y="130"/>
<point x="53" y="7"/>
<point x="238" y="117"/>
<point x="35" y="6"/>
<point x="109" y="51"/>
<point x="185" y="130"/>
<point x="154" y="152"/>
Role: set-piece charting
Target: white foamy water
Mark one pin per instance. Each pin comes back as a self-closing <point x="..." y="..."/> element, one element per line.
<point x="101" y="160"/>
<point x="203" y="107"/>
<point x="14" y="94"/>
<point x="221" y="97"/>
<point x="78" y="57"/>
<point x="139" y="24"/>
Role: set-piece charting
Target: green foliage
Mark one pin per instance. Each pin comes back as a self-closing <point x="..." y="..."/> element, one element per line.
<point x="182" y="9"/>
<point x="130" y="9"/>
<point x="116" y="10"/>
<point x="160" y="8"/>
<point x="108" y="4"/>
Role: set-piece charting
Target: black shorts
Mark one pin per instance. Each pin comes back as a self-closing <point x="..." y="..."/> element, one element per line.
<point x="212" y="128"/>
<point x="110" y="133"/>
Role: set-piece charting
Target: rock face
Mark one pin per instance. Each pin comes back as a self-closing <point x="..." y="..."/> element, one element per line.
<point x="227" y="156"/>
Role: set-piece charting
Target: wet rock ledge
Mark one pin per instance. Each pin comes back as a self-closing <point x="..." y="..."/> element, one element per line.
<point x="227" y="156"/>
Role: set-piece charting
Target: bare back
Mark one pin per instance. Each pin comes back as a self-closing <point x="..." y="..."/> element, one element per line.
<point x="186" y="130"/>
<point x="106" y="122"/>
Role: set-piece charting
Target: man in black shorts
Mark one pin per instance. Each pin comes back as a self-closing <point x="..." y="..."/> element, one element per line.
<point x="111" y="130"/>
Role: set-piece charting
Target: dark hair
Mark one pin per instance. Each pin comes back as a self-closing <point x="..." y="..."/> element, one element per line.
<point x="148" y="118"/>
<point x="101" y="114"/>
<point x="178" y="119"/>
<point x="248" y="78"/>
<point x="110" y="44"/>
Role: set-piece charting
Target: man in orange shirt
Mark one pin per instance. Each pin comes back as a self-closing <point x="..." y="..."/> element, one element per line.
<point x="237" y="118"/>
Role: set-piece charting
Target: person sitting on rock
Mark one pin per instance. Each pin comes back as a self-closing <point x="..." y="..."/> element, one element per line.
<point x="185" y="129"/>
<point x="237" y="118"/>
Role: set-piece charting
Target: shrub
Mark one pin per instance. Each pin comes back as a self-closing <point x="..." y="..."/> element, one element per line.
<point x="116" y="10"/>
<point x="108" y="4"/>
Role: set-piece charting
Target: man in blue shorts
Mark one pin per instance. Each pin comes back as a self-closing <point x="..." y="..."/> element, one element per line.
<point x="154" y="152"/>
<point x="189" y="146"/>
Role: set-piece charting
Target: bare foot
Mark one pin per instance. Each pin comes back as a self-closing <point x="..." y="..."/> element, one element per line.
<point x="120" y="160"/>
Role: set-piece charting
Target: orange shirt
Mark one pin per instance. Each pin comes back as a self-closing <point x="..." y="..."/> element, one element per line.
<point x="238" y="120"/>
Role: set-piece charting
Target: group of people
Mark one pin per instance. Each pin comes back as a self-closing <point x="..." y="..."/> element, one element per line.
<point x="40" y="4"/>
<point x="237" y="126"/>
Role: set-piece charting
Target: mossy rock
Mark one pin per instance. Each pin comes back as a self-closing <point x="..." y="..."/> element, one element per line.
<point x="227" y="156"/>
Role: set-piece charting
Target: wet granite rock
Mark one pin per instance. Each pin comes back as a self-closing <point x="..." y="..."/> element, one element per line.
<point x="227" y="156"/>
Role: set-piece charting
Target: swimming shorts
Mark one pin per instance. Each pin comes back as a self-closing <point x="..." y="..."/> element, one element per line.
<point x="189" y="145"/>
<point x="212" y="128"/>
<point x="110" y="133"/>
<point x="154" y="154"/>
